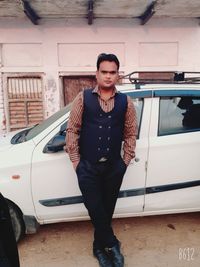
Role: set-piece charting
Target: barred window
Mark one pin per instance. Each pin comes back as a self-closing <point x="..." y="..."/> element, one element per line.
<point x="25" y="103"/>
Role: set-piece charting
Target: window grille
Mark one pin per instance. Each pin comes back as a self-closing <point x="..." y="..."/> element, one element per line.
<point x="25" y="105"/>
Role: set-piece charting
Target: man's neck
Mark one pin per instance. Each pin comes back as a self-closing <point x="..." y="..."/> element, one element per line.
<point x="106" y="92"/>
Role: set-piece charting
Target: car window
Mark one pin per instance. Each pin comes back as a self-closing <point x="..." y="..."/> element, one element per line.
<point x="138" y="104"/>
<point x="46" y="123"/>
<point x="179" y="115"/>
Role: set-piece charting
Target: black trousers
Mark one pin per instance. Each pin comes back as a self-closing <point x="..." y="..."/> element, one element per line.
<point x="100" y="184"/>
<point x="8" y="248"/>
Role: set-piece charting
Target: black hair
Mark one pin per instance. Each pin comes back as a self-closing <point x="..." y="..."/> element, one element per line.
<point x="107" y="57"/>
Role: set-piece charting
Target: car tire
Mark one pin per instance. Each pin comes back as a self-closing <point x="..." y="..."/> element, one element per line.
<point x="17" y="220"/>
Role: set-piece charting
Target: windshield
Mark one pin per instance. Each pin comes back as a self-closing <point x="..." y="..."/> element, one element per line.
<point x="30" y="133"/>
<point x="46" y="123"/>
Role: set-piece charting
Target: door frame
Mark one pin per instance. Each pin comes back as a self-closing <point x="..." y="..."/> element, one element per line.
<point x="64" y="74"/>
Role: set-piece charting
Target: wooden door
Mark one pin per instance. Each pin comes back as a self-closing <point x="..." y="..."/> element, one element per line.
<point x="74" y="84"/>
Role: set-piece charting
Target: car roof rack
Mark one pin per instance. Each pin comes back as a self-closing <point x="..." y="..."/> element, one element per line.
<point x="163" y="77"/>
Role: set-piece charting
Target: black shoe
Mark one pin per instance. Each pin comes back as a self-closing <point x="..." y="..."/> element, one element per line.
<point x="115" y="255"/>
<point x="102" y="257"/>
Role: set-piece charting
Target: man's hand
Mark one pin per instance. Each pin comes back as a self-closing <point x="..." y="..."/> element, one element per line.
<point x="75" y="164"/>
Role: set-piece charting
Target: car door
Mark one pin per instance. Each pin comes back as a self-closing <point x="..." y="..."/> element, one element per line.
<point x="55" y="190"/>
<point x="173" y="173"/>
<point x="131" y="197"/>
<point x="54" y="183"/>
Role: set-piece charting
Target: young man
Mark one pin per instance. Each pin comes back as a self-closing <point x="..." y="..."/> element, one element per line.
<point x="100" y="119"/>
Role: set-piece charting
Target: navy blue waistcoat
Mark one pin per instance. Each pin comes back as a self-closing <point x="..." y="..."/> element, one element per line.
<point x="102" y="132"/>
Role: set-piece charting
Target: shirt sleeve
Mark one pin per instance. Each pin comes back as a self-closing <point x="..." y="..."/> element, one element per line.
<point x="130" y="132"/>
<point x="73" y="128"/>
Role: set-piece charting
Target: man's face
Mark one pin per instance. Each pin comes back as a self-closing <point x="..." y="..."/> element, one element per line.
<point x="107" y="75"/>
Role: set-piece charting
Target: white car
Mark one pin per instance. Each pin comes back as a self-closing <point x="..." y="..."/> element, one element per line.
<point x="40" y="184"/>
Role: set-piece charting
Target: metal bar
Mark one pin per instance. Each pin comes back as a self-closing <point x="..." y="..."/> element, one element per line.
<point x="36" y="87"/>
<point x="22" y="86"/>
<point x="26" y="112"/>
<point x="148" y="13"/>
<point x="178" y="77"/>
<point x="90" y="12"/>
<point x="20" y="93"/>
<point x="9" y="88"/>
<point x="30" y="12"/>
<point x="18" y="85"/>
<point x="30" y="87"/>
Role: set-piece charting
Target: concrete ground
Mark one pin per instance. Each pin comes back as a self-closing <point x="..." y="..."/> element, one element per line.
<point x="155" y="241"/>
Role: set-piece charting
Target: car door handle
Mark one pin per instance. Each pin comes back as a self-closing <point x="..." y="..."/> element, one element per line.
<point x="135" y="160"/>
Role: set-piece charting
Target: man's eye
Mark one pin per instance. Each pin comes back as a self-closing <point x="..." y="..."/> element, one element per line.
<point x="110" y="72"/>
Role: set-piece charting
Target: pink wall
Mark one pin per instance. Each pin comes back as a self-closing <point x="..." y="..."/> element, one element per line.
<point x="63" y="47"/>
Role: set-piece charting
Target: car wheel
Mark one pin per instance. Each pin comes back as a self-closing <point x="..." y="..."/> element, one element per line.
<point x="17" y="220"/>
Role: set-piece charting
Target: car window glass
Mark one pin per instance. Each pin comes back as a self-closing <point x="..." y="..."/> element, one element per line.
<point x="46" y="123"/>
<point x="179" y="115"/>
<point x="63" y="128"/>
<point x="138" y="104"/>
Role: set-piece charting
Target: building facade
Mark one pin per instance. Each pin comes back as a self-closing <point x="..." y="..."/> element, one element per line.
<point x="43" y="67"/>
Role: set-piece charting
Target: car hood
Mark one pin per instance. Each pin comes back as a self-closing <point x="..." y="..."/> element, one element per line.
<point x="5" y="140"/>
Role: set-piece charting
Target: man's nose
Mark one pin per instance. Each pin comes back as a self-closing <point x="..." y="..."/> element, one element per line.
<point x="108" y="74"/>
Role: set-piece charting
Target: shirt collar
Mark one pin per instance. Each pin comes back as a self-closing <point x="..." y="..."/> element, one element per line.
<point x="97" y="91"/>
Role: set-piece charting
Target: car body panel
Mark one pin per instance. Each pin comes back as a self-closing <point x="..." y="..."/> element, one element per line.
<point x="173" y="160"/>
<point x="5" y="141"/>
<point x="16" y="161"/>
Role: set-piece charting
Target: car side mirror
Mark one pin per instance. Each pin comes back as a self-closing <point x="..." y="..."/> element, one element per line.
<point x="63" y="129"/>
<point x="56" y="144"/>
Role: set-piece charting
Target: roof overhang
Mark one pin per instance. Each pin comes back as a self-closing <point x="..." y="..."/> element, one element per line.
<point x="143" y="10"/>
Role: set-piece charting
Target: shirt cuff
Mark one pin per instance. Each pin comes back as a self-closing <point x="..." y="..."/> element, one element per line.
<point x="74" y="157"/>
<point x="127" y="161"/>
